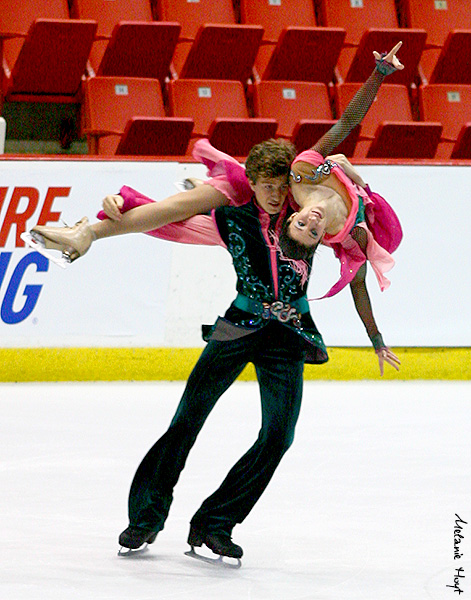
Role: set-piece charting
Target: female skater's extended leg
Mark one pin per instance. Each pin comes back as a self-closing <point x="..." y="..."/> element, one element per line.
<point x="75" y="241"/>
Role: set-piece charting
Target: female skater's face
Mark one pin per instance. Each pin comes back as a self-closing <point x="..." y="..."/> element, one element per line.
<point x="271" y="193"/>
<point x="307" y="226"/>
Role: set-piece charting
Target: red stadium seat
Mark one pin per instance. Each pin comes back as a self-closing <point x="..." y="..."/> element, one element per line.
<point x="126" y="116"/>
<point x="293" y="47"/>
<point x="372" y="25"/>
<point x="44" y="52"/>
<point x="462" y="148"/>
<point x="388" y="130"/>
<point x="212" y="45"/>
<point x="290" y="102"/>
<point x="450" y="104"/>
<point x="191" y="15"/>
<point x="450" y="63"/>
<point x="131" y="44"/>
<point x="448" y="26"/>
<point x="302" y="110"/>
<point x="220" y="113"/>
<point x="155" y="136"/>
<point x="223" y="52"/>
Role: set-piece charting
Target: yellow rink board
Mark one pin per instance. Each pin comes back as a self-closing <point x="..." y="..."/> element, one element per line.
<point x="173" y="364"/>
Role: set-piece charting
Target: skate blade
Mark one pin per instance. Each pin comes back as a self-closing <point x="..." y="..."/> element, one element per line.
<point x="184" y="185"/>
<point x="217" y="562"/>
<point x="130" y="552"/>
<point x="32" y="243"/>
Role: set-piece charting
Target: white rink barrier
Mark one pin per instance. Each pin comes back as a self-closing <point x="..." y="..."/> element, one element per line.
<point x="136" y="291"/>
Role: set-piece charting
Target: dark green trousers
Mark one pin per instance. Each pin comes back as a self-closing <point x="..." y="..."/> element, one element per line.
<point x="278" y="357"/>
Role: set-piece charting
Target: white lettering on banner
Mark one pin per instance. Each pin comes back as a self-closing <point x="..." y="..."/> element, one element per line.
<point x="441" y="5"/>
<point x="22" y="204"/>
<point x="356" y="3"/>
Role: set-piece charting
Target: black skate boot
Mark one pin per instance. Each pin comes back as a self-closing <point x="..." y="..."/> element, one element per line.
<point x="219" y="542"/>
<point x="134" y="537"/>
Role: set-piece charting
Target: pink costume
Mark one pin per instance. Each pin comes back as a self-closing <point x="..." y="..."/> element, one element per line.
<point x="226" y="175"/>
<point x="382" y="227"/>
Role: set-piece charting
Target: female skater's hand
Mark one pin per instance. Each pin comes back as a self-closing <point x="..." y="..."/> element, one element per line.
<point x="386" y="355"/>
<point x="347" y="168"/>
<point x="391" y="57"/>
<point x="112" y="205"/>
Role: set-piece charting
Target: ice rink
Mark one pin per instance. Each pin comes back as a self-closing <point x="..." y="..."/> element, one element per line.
<point x="363" y="506"/>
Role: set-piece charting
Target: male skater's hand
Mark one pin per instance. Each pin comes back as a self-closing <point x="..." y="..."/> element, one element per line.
<point x="112" y="206"/>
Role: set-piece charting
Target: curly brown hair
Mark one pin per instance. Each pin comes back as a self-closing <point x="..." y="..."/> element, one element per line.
<point x="271" y="158"/>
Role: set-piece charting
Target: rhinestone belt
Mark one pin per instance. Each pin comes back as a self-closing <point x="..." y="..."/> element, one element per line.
<point x="284" y="312"/>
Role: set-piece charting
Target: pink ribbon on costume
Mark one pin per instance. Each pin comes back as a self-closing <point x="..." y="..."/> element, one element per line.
<point x="383" y="222"/>
<point x="132" y="198"/>
<point x="226" y="173"/>
<point x="352" y="257"/>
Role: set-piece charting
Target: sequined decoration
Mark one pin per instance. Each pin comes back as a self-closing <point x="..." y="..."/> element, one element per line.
<point x="319" y="173"/>
<point x="252" y="287"/>
<point x="288" y="282"/>
<point x="322" y="171"/>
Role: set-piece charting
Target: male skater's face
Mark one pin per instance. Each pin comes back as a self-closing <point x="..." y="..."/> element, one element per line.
<point x="270" y="193"/>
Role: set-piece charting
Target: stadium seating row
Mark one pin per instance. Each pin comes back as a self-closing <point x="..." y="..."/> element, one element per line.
<point x="280" y="39"/>
<point x="127" y="116"/>
<point x="48" y="46"/>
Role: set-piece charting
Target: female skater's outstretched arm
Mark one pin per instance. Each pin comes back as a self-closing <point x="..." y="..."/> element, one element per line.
<point x="360" y="103"/>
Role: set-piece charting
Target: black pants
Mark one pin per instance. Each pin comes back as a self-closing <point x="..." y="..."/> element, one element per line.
<point x="278" y="357"/>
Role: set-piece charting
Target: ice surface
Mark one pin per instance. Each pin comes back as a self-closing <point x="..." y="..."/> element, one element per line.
<point x="362" y="506"/>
